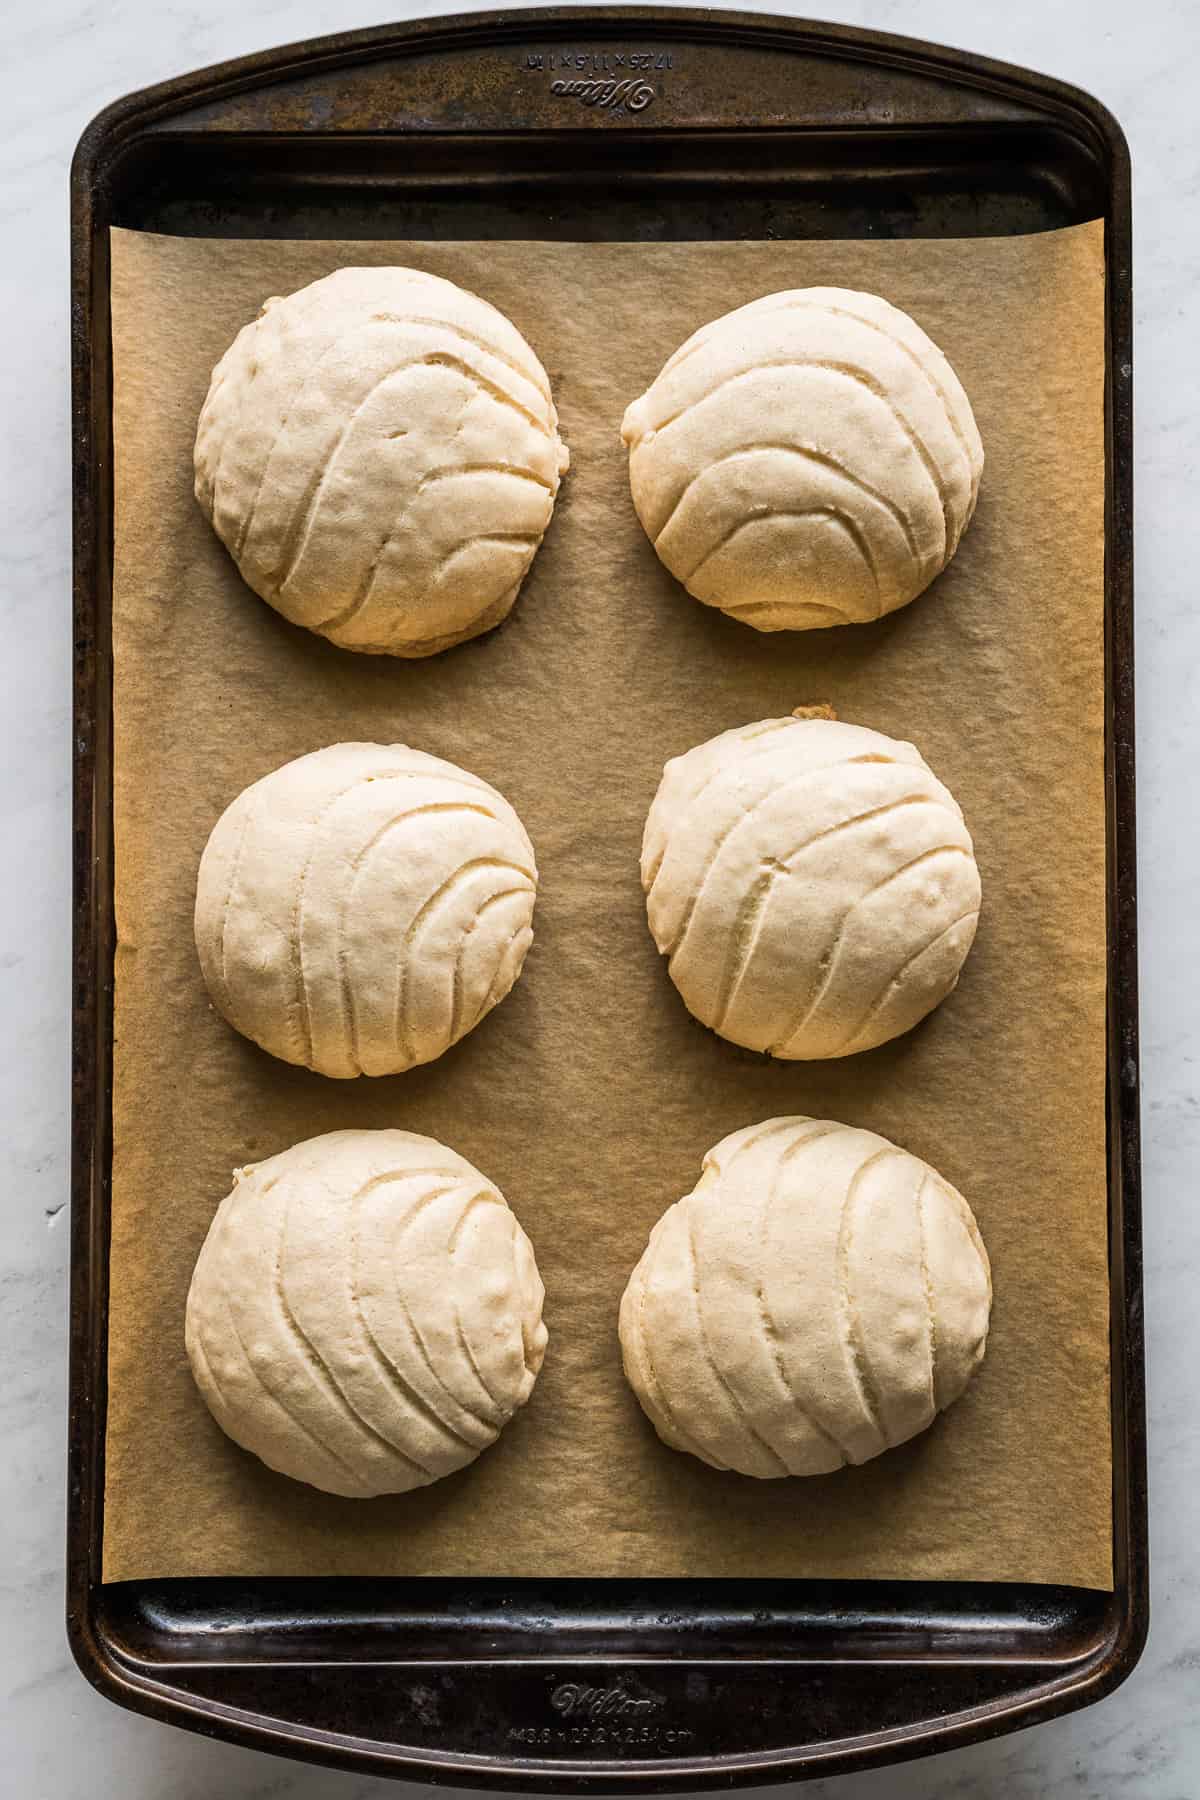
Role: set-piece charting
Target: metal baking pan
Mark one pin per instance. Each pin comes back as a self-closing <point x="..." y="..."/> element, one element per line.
<point x="579" y="123"/>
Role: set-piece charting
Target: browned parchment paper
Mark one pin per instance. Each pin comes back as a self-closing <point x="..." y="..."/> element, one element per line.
<point x="589" y="1095"/>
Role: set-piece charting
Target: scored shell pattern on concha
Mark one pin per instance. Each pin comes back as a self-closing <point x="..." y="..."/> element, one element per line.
<point x="379" y="453"/>
<point x="366" y="1313"/>
<point x="818" y="1298"/>
<point x="810" y="459"/>
<point x="812" y="884"/>
<point x="361" y="909"/>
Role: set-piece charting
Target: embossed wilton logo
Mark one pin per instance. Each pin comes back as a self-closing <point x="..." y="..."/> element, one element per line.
<point x="575" y="1701"/>
<point x="634" y="94"/>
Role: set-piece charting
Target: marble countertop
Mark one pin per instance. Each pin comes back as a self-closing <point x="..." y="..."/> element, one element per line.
<point x="64" y="59"/>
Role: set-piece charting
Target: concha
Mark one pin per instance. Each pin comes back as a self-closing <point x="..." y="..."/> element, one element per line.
<point x="366" y="1313"/>
<point x="812" y="884"/>
<point x="810" y="459"/>
<point x="362" y="908"/>
<point x="380" y="455"/>
<point x="820" y="1296"/>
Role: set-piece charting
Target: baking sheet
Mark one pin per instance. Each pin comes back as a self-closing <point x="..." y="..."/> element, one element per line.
<point x="589" y="1095"/>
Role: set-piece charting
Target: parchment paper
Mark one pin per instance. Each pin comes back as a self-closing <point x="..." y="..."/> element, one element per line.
<point x="589" y="1095"/>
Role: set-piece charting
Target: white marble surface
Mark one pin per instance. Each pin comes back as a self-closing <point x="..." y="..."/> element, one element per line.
<point x="60" y="60"/>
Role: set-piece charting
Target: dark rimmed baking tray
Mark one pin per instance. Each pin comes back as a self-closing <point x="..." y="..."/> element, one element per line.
<point x="630" y="123"/>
